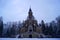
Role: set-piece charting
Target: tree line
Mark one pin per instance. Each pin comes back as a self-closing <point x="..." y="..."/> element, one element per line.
<point x="11" y="29"/>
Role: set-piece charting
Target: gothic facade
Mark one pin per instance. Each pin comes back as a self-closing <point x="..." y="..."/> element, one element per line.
<point x="30" y="28"/>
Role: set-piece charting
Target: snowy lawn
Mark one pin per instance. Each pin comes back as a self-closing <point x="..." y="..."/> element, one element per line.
<point x="29" y="38"/>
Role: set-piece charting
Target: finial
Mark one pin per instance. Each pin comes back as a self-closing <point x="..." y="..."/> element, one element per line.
<point x="30" y="8"/>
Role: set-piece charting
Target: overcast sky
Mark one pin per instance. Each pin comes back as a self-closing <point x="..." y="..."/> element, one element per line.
<point x="17" y="10"/>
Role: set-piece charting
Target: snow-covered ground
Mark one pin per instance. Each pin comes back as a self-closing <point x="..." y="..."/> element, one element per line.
<point x="29" y="38"/>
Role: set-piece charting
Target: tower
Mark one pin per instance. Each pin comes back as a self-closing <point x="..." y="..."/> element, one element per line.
<point x="30" y="14"/>
<point x="30" y="27"/>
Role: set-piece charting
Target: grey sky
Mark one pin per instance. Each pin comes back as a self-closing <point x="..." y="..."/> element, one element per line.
<point x="17" y="10"/>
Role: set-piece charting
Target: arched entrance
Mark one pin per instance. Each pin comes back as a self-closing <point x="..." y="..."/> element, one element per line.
<point x="19" y="36"/>
<point x="30" y="36"/>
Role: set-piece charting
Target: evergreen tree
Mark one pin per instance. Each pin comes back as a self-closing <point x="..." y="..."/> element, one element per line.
<point x="50" y="29"/>
<point x="13" y="30"/>
<point x="1" y="26"/>
<point x="8" y="33"/>
<point x="58" y="27"/>
<point x="43" y="26"/>
<point x="47" y="29"/>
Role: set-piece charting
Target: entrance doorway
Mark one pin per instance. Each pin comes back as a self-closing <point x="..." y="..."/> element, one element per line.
<point x="30" y="36"/>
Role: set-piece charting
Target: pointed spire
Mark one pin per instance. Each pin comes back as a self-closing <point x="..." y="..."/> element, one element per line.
<point x="30" y="13"/>
<point x="30" y="9"/>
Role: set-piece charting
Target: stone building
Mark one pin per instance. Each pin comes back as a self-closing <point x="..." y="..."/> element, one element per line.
<point x="30" y="28"/>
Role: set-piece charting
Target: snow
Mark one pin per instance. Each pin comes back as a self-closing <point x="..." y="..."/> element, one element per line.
<point x="29" y="38"/>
